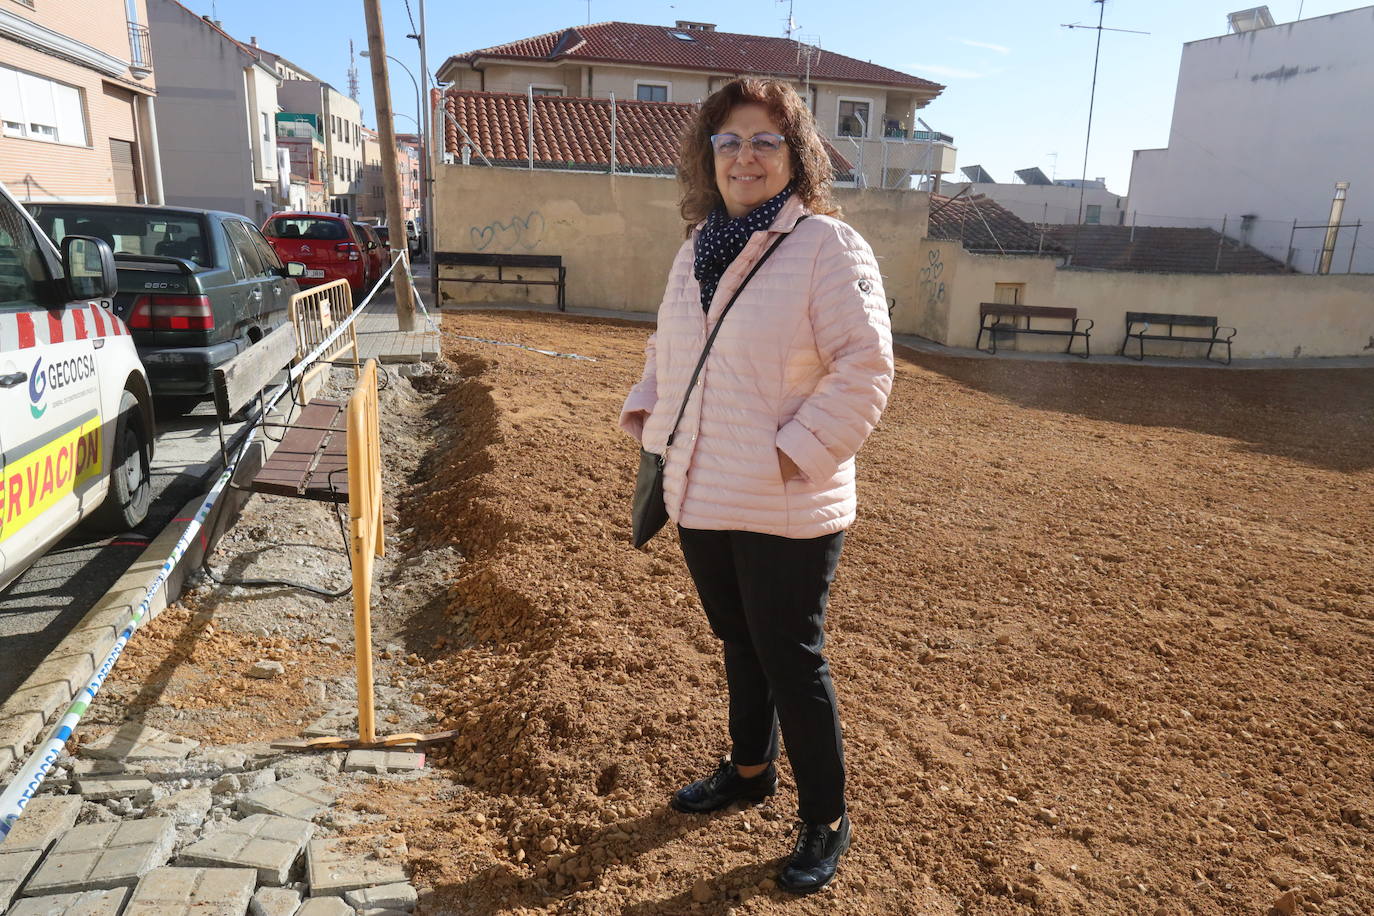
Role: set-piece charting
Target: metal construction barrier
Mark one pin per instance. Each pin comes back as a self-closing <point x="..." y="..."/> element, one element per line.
<point x="25" y="784"/>
<point x="316" y="312"/>
<point x="365" y="542"/>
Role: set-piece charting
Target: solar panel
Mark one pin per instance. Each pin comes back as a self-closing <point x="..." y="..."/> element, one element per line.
<point x="1033" y="176"/>
<point x="977" y="174"/>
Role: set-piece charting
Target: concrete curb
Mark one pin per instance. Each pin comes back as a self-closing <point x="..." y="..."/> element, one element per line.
<point x="26" y="715"/>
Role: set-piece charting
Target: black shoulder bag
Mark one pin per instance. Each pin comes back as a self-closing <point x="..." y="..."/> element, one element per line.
<point x="649" y="513"/>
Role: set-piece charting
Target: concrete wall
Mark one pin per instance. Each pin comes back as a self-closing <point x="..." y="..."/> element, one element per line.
<point x="1275" y="316"/>
<point x="1264" y="123"/>
<point x="618" y="235"/>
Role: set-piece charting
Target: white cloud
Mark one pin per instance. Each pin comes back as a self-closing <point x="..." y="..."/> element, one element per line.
<point x="952" y="72"/>
<point x="1000" y="49"/>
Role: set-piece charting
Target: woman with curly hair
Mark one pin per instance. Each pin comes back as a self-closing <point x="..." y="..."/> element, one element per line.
<point x="760" y="475"/>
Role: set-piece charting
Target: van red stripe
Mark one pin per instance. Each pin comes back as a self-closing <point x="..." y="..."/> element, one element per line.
<point x="99" y="320"/>
<point x="26" y="337"/>
<point x="116" y="326"/>
<point x="54" y="328"/>
<point x="79" y="324"/>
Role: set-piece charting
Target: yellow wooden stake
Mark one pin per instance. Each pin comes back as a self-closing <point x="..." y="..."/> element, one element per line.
<point x="365" y="541"/>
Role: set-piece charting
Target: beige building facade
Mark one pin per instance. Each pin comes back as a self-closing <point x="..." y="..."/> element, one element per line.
<point x="78" y="116"/>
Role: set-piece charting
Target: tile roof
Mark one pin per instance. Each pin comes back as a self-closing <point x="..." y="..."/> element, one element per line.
<point x="716" y="52"/>
<point x="575" y="133"/>
<point x="981" y="224"/>
<point x="1169" y="249"/>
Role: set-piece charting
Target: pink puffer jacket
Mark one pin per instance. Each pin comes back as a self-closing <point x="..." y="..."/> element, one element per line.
<point x="803" y="363"/>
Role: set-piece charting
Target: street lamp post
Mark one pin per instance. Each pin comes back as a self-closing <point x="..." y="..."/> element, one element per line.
<point x="424" y="141"/>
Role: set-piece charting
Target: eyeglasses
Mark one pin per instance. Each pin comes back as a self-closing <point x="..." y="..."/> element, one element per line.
<point x="729" y="145"/>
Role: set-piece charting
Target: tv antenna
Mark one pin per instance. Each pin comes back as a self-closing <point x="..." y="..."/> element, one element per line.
<point x="1092" y="100"/>
<point x="352" y="73"/>
<point x="791" y="22"/>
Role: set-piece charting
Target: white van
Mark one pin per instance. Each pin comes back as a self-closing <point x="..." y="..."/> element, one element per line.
<point x="76" y="418"/>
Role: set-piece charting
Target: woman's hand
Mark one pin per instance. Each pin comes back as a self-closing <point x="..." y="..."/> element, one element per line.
<point x="787" y="467"/>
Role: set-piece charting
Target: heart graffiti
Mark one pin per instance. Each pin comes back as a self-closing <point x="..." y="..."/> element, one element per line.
<point x="520" y="233"/>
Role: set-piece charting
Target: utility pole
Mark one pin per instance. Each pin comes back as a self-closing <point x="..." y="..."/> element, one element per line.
<point x="426" y="151"/>
<point x="391" y="180"/>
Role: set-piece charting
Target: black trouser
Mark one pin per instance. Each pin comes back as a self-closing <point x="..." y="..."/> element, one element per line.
<point x="765" y="597"/>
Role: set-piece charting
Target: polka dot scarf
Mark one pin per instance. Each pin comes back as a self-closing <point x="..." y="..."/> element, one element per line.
<point x="722" y="239"/>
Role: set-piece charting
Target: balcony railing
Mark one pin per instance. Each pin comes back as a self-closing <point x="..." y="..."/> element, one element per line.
<point x="140" y="51"/>
<point x="923" y="136"/>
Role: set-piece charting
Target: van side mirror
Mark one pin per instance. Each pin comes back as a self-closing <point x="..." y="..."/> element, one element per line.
<point x="295" y="269"/>
<point x="89" y="265"/>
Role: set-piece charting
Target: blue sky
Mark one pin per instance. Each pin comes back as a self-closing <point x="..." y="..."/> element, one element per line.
<point x="1017" y="81"/>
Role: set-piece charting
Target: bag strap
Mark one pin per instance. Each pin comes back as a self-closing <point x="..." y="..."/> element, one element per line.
<point x="687" y="395"/>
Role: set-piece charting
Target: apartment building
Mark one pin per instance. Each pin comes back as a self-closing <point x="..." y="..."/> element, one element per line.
<point x="340" y="120"/>
<point x="78" y="113"/>
<point x="867" y="112"/>
<point x="217" y="116"/>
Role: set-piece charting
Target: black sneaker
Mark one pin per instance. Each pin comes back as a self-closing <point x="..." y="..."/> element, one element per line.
<point x="724" y="787"/>
<point x="815" y="857"/>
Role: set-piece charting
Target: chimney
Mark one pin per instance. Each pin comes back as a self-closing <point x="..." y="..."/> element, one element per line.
<point x="688" y="26"/>
<point x="253" y="40"/>
<point x="1333" y="227"/>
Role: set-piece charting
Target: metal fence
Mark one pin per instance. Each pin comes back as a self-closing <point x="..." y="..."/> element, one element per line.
<point x="1298" y="242"/>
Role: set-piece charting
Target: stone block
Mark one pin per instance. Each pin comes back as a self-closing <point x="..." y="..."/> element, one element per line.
<point x="383" y="761"/>
<point x="44" y="820"/>
<point x="267" y="670"/>
<point x="334" y="866"/>
<point x="275" y="901"/>
<point x="100" y="856"/>
<point x="387" y="897"/>
<point x="134" y="742"/>
<point x="104" y="788"/>
<point x="264" y="842"/>
<point x="186" y="808"/>
<point x="193" y="892"/>
<point x="238" y="783"/>
<point x="16" y="867"/>
<point x="301" y="797"/>
<point x="86" y="903"/>
<point x="325" y="906"/>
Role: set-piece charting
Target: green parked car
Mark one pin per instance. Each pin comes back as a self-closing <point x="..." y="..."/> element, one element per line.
<point x="196" y="287"/>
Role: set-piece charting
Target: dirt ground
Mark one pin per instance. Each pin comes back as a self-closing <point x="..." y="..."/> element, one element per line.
<point x="1101" y="637"/>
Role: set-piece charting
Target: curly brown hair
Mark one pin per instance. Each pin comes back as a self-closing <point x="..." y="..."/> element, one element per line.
<point x="811" y="168"/>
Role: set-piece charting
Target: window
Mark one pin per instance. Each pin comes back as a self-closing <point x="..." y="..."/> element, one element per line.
<point x="547" y="90"/>
<point x="651" y="92"/>
<point x="853" y="119"/>
<point x="266" y="135"/>
<point x="238" y="234"/>
<point x="1093" y="215"/>
<point x="21" y="266"/>
<point x="41" y="109"/>
<point x="132" y="230"/>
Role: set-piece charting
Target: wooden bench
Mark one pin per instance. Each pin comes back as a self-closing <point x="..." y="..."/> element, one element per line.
<point x="996" y="318"/>
<point x="501" y="262"/>
<point x="1156" y="321"/>
<point x="311" y="459"/>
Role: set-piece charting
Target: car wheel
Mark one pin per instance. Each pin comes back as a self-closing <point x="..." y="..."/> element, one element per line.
<point x="131" y="490"/>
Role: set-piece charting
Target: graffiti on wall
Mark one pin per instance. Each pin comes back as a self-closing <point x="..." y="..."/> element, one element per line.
<point x="522" y="233"/>
<point x="932" y="287"/>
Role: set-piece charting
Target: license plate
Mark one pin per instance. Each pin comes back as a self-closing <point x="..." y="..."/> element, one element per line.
<point x="314" y="274"/>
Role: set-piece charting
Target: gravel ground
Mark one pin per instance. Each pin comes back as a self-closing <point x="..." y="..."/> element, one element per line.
<point x="1101" y="637"/>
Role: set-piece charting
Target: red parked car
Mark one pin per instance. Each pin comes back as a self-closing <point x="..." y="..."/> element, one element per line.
<point x="377" y="256"/>
<point x="329" y="245"/>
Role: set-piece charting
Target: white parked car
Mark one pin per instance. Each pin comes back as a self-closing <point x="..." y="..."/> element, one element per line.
<point x="77" y="433"/>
